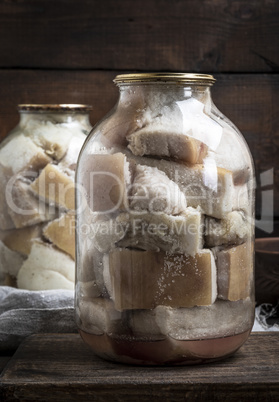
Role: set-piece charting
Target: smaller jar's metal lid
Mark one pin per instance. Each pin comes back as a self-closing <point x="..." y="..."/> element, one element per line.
<point x="55" y="108"/>
<point x="182" y="78"/>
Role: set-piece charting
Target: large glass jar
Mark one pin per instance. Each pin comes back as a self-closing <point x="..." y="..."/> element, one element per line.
<point x="165" y="211"/>
<point x="37" y="198"/>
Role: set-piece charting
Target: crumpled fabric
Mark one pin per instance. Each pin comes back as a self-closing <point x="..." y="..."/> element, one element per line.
<point x="266" y="318"/>
<point x="24" y="312"/>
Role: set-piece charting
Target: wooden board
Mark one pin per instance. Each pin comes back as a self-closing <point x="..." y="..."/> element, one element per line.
<point x="250" y="101"/>
<point x="60" y="367"/>
<point x="207" y="35"/>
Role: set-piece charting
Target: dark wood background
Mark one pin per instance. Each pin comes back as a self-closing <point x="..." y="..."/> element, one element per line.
<point x="68" y="51"/>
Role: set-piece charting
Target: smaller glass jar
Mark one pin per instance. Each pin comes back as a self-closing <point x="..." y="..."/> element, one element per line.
<point x="37" y="203"/>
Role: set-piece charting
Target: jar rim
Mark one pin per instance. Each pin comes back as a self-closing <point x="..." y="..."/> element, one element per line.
<point x="181" y="78"/>
<point x="54" y="107"/>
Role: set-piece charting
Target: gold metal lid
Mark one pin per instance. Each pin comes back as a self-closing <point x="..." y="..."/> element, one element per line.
<point x="55" y="108"/>
<point x="181" y="78"/>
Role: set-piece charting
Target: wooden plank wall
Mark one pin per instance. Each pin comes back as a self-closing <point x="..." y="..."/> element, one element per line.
<point x="68" y="51"/>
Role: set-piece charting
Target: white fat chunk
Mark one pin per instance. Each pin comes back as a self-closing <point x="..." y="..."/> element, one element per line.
<point x="10" y="261"/>
<point x="168" y="129"/>
<point x="241" y="199"/>
<point x="160" y="109"/>
<point x="24" y="208"/>
<point x="152" y="190"/>
<point x="91" y="269"/>
<point x="232" y="229"/>
<point x="20" y="153"/>
<point x="98" y="316"/>
<point x="175" y="234"/>
<point x="90" y="263"/>
<point x="208" y="187"/>
<point x="158" y="140"/>
<point x="234" y="271"/>
<point x="144" y="326"/>
<point x="21" y="240"/>
<point x="61" y="232"/>
<point x="104" y="234"/>
<point x="180" y="117"/>
<point x="55" y="187"/>
<point x="69" y="161"/>
<point x="223" y="318"/>
<point x="5" y="219"/>
<point x="41" y="279"/>
<point x="46" y="268"/>
<point x="53" y="138"/>
<point x="105" y="180"/>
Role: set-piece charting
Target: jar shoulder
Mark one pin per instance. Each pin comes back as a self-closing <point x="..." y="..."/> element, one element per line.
<point x="187" y="131"/>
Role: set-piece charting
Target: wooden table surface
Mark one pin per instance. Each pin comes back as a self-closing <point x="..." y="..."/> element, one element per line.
<point x="60" y="367"/>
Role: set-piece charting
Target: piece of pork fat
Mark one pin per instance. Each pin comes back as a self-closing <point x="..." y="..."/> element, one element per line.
<point x="21" y="154"/>
<point x="69" y="161"/>
<point x="10" y="262"/>
<point x="153" y="191"/>
<point x="61" y="232"/>
<point x="55" y="270"/>
<point x="162" y="142"/>
<point x="208" y="187"/>
<point x="55" y="187"/>
<point x="146" y="279"/>
<point x="89" y="276"/>
<point x="24" y="207"/>
<point x="98" y="316"/>
<point x="54" y="139"/>
<point x="232" y="229"/>
<point x="18" y="154"/>
<point x="222" y="318"/>
<point x="105" y="179"/>
<point x="176" y="234"/>
<point x="234" y="271"/>
<point x="179" y="130"/>
<point x="20" y="240"/>
<point x="6" y="222"/>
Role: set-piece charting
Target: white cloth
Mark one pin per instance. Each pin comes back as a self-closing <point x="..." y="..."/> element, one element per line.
<point x="24" y="312"/>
